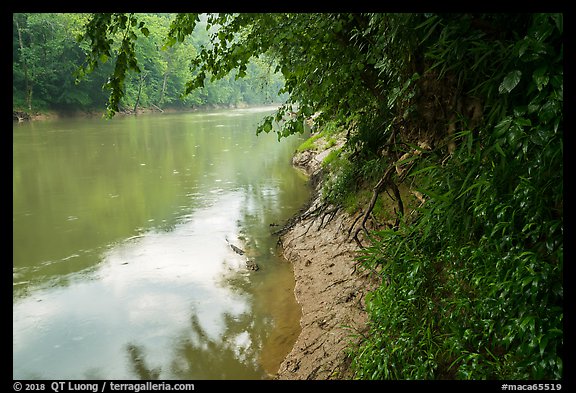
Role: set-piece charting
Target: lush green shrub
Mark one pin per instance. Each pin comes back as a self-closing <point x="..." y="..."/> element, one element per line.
<point x="473" y="289"/>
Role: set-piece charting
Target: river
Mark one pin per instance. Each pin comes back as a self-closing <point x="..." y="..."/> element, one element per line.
<point x="121" y="265"/>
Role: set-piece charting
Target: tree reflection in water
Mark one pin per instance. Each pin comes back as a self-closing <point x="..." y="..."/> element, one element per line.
<point x="199" y="354"/>
<point x="138" y="363"/>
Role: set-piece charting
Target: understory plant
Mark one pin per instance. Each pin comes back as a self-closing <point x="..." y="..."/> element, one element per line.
<point x="473" y="289"/>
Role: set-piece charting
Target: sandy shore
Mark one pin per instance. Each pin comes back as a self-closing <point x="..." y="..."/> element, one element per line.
<point x="329" y="288"/>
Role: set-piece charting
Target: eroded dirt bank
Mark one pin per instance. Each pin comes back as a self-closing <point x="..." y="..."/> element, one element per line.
<point x="329" y="288"/>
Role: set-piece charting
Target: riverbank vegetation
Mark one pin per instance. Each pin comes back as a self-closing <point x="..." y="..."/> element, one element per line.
<point x="458" y="120"/>
<point x="47" y="76"/>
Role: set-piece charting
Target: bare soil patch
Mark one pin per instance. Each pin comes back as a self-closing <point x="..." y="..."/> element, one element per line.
<point x="329" y="286"/>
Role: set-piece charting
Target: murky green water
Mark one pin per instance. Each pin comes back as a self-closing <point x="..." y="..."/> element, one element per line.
<point x="121" y="268"/>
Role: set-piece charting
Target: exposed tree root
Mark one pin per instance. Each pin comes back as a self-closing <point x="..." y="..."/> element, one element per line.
<point x="323" y="210"/>
<point x="326" y="212"/>
<point x="402" y="167"/>
<point x="331" y="213"/>
<point x="384" y="183"/>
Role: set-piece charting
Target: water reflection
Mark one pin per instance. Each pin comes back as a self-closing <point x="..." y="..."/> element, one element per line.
<point x="138" y="362"/>
<point x="199" y="356"/>
<point x="140" y="282"/>
<point x="144" y="291"/>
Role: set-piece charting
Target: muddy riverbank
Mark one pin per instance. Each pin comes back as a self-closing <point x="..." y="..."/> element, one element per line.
<point x="329" y="287"/>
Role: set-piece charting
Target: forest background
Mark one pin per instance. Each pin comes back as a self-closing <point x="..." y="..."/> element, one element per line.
<point x="47" y="56"/>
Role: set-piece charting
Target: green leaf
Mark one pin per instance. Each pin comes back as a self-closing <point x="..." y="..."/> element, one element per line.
<point x="528" y="320"/>
<point x="541" y="77"/>
<point x="426" y="169"/>
<point x="267" y="126"/>
<point x="548" y="111"/>
<point x="499" y="149"/>
<point x="558" y="20"/>
<point x="502" y="127"/>
<point x="477" y="184"/>
<point x="510" y="82"/>
<point x="523" y="122"/>
<point x="543" y="342"/>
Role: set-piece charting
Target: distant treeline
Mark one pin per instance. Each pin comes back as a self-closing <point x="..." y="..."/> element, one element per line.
<point x="47" y="55"/>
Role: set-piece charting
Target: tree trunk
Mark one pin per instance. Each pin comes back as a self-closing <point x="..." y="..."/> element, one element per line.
<point x="165" y="80"/>
<point x="142" y="77"/>
<point x="163" y="89"/>
<point x="25" y="66"/>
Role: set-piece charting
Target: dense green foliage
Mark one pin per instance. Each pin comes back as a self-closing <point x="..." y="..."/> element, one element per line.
<point x="475" y="285"/>
<point x="45" y="55"/>
<point x="51" y="71"/>
<point x="470" y="105"/>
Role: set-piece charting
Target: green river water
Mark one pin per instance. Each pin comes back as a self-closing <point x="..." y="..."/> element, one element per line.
<point x="121" y="269"/>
